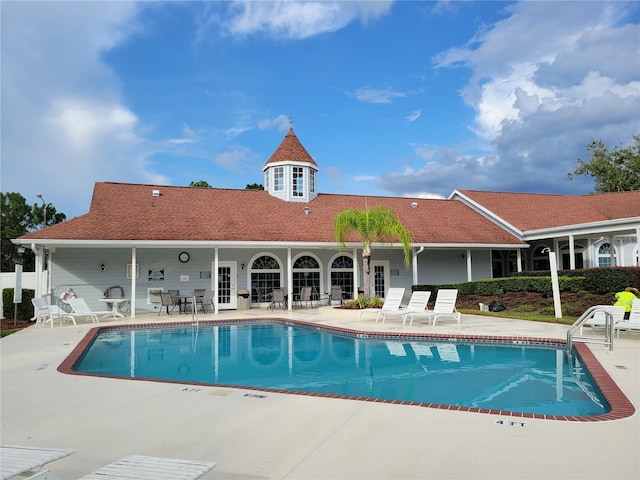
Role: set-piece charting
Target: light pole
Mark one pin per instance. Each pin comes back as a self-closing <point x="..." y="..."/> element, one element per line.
<point x="44" y="205"/>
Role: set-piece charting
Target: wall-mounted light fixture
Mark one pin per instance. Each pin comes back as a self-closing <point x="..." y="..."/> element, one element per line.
<point x="102" y="267"/>
<point x="306" y="210"/>
<point x="242" y="266"/>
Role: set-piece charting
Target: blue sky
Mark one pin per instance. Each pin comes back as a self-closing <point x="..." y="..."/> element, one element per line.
<point x="389" y="98"/>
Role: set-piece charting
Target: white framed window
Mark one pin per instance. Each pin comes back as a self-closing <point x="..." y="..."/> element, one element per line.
<point x="298" y="182"/>
<point x="312" y="181"/>
<point x="278" y="178"/>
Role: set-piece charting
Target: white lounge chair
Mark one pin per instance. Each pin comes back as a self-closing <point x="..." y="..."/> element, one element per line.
<point x="138" y="467"/>
<point x="445" y="307"/>
<point x="598" y="319"/>
<point x="448" y="352"/>
<point x="24" y="461"/>
<point x="80" y="309"/>
<point x="392" y="303"/>
<point x="417" y="303"/>
<point x="43" y="312"/>
<point x="633" y="323"/>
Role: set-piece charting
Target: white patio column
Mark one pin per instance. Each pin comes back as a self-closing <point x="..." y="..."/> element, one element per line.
<point x="518" y="259"/>
<point x="572" y="253"/>
<point x="289" y="280"/>
<point x="356" y="268"/>
<point x="134" y="277"/>
<point x="216" y="261"/>
<point x="469" y="273"/>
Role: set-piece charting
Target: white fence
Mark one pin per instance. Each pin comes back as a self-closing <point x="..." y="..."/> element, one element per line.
<point x="8" y="280"/>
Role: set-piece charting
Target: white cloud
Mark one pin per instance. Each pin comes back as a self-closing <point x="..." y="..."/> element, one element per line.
<point x="545" y="81"/>
<point x="281" y="123"/>
<point x="293" y="20"/>
<point x="234" y="158"/>
<point x="413" y="116"/>
<point x="62" y="116"/>
<point x="364" y="178"/>
<point x="375" y="95"/>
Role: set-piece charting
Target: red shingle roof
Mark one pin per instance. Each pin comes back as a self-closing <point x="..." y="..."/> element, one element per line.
<point x="121" y="211"/>
<point x="291" y="150"/>
<point x="531" y="211"/>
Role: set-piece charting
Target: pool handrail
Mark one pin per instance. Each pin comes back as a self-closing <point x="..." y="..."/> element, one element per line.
<point x="579" y="323"/>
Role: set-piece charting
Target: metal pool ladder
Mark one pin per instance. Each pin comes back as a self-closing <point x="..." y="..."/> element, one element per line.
<point x="578" y="324"/>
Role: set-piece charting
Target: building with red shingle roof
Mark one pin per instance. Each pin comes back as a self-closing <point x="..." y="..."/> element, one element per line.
<point x="258" y="240"/>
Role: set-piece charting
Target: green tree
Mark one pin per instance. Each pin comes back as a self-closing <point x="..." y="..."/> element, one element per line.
<point x="200" y="183"/>
<point x="17" y="219"/>
<point x="254" y="186"/>
<point x="377" y="224"/>
<point x="613" y="171"/>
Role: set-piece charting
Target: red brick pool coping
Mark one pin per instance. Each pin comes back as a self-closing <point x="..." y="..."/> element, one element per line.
<point x="621" y="406"/>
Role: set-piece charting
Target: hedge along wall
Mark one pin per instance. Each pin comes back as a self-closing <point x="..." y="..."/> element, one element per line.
<point x="595" y="280"/>
<point x="25" y="309"/>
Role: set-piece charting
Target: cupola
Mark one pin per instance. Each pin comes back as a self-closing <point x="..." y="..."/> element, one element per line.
<point x="291" y="174"/>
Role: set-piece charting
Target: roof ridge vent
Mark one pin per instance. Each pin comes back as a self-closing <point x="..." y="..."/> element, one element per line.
<point x="155" y="193"/>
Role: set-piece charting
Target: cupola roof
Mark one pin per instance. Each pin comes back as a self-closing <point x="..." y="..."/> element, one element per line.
<point x="291" y="150"/>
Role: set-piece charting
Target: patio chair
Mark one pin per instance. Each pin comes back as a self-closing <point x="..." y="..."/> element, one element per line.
<point x="198" y="293"/>
<point x="305" y="296"/>
<point x="205" y="301"/>
<point x="79" y="308"/>
<point x="168" y="302"/>
<point x="177" y="300"/>
<point x="391" y="303"/>
<point x="633" y="323"/>
<point x="26" y="461"/>
<point x="138" y="467"/>
<point x="445" y="307"/>
<point x="335" y="295"/>
<point x="277" y="298"/>
<point x="598" y="319"/>
<point x="43" y="312"/>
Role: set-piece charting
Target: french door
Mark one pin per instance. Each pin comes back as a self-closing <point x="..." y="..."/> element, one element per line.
<point x="227" y="285"/>
<point x="379" y="278"/>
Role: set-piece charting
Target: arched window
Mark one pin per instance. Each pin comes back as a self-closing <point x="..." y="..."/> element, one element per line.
<point x="341" y="272"/>
<point x="541" y="258"/>
<point x="306" y="273"/>
<point x="604" y="255"/>
<point x="265" y="276"/>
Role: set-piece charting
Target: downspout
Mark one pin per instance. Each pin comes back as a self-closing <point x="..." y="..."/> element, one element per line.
<point x="415" y="264"/>
<point x="38" y="266"/>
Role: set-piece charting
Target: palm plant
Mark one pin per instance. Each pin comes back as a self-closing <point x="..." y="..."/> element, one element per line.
<point x="377" y="224"/>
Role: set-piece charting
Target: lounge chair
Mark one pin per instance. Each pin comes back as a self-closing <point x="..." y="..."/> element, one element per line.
<point x="417" y="303"/>
<point x="80" y="308"/>
<point x="598" y="319"/>
<point x="448" y="352"/>
<point x="445" y="307"/>
<point x="634" y="319"/>
<point x="391" y="303"/>
<point x="137" y="467"/>
<point x="24" y="461"/>
<point x="43" y="312"/>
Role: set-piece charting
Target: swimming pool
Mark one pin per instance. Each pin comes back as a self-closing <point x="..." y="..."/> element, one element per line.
<point x="516" y="377"/>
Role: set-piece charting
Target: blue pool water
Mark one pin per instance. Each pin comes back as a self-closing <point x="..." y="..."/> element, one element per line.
<point x="517" y="378"/>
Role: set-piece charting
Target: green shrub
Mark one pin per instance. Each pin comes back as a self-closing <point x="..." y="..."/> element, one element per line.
<point x="25" y="309"/>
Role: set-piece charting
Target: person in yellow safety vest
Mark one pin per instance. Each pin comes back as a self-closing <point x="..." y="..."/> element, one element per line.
<point x="625" y="299"/>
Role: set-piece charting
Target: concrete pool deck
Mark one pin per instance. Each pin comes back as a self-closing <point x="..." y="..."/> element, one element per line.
<point x="281" y="436"/>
